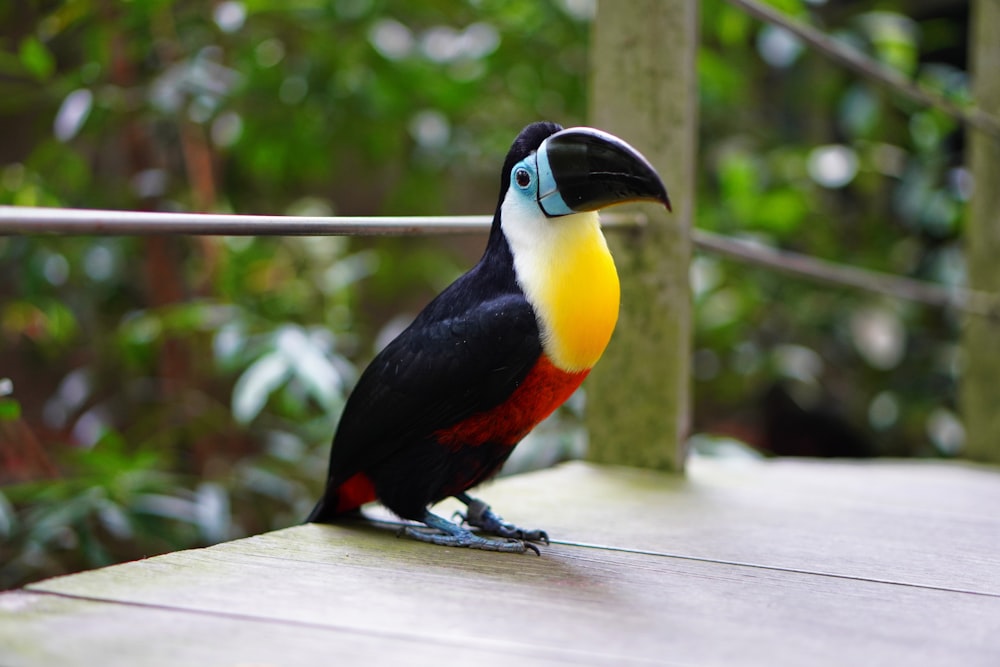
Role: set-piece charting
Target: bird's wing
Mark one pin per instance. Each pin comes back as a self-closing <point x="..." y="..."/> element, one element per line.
<point x="436" y="373"/>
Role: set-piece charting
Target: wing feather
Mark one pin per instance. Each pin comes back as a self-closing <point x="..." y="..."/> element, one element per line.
<point x="439" y="371"/>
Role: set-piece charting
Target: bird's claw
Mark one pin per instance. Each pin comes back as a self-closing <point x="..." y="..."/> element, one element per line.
<point x="464" y="538"/>
<point x="535" y="536"/>
<point x="480" y="515"/>
<point x="513" y="532"/>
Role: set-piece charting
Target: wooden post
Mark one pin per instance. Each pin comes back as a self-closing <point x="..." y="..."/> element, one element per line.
<point x="980" y="397"/>
<point x="643" y="88"/>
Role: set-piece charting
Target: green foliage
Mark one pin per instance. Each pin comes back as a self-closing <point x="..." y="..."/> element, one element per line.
<point x="36" y="59"/>
<point x="175" y="392"/>
<point x="798" y="153"/>
<point x="9" y="408"/>
<point x="183" y="391"/>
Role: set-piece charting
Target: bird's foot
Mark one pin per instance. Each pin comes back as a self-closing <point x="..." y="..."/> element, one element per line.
<point x="480" y="515"/>
<point x="447" y="534"/>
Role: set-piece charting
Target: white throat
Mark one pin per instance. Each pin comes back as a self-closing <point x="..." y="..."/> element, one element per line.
<point x="565" y="270"/>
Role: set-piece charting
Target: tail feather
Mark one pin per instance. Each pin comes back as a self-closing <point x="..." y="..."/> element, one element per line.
<point x="346" y="498"/>
<point x="321" y="513"/>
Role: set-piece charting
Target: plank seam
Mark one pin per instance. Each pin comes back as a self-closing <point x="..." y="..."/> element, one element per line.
<point x="735" y="563"/>
<point x="778" y="568"/>
<point x="560" y="653"/>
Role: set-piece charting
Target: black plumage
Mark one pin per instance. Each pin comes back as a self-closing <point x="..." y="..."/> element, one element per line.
<point x="465" y="352"/>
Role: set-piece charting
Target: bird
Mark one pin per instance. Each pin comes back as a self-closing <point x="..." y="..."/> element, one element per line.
<point x="443" y="405"/>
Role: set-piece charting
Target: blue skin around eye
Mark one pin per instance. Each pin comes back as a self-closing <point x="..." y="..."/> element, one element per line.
<point x="548" y="193"/>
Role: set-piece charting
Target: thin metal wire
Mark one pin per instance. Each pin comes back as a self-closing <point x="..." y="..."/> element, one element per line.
<point x="831" y="273"/>
<point x="22" y="220"/>
<point x="17" y="220"/>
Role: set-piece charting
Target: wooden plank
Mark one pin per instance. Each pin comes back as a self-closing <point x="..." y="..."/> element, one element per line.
<point x="931" y="524"/>
<point x="39" y="630"/>
<point x="980" y="402"/>
<point x="577" y="605"/>
<point x="643" y="88"/>
<point x="582" y="605"/>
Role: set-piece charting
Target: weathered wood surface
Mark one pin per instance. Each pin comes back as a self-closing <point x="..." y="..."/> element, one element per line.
<point x="778" y="563"/>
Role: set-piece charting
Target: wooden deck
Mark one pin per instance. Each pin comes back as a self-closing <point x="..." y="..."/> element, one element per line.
<point x="776" y="563"/>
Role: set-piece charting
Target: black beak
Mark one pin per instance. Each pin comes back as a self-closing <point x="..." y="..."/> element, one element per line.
<point x="583" y="169"/>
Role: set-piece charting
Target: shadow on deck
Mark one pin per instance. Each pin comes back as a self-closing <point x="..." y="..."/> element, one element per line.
<point x="773" y="563"/>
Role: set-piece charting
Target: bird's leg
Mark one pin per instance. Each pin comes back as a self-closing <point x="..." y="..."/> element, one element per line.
<point x="480" y="515"/>
<point x="448" y="534"/>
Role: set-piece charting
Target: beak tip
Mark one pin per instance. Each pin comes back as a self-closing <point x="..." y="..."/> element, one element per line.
<point x="596" y="169"/>
<point x="662" y="197"/>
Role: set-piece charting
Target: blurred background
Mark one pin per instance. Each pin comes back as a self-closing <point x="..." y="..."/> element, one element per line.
<point x="160" y="393"/>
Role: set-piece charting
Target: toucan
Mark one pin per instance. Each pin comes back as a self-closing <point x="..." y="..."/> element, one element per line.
<point x="442" y="406"/>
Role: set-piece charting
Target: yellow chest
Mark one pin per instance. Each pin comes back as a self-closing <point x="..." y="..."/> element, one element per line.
<point x="570" y="279"/>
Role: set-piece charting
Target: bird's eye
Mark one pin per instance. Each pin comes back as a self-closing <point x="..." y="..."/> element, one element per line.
<point x="522" y="177"/>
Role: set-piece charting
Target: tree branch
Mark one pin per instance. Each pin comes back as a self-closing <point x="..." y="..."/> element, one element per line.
<point x="871" y="69"/>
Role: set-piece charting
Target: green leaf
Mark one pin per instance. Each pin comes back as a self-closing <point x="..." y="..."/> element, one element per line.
<point x="310" y="365"/>
<point x="115" y="520"/>
<point x="9" y="409"/>
<point x="790" y="7"/>
<point x="732" y="26"/>
<point x="256" y="384"/>
<point x="781" y="211"/>
<point x="37" y="59"/>
<point x="894" y="37"/>
<point x="51" y="522"/>
<point x="212" y="512"/>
